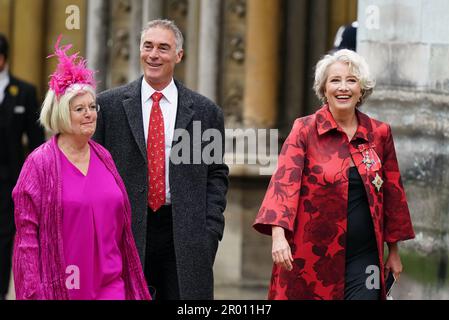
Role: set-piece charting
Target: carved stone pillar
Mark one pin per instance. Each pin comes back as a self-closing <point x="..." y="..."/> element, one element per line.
<point x="136" y="24"/>
<point x="191" y="44"/>
<point x="177" y="10"/>
<point x="222" y="65"/>
<point x="262" y="63"/>
<point x="317" y="28"/>
<point x="96" y="42"/>
<point x="208" y="48"/>
<point x="294" y="68"/>
<point x="118" y="43"/>
<point x="232" y="65"/>
<point x="152" y="9"/>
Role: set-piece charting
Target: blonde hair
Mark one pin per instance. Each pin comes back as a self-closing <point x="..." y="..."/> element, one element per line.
<point x="357" y="67"/>
<point x="55" y="113"/>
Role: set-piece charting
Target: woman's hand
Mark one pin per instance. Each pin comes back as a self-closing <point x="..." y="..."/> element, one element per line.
<point x="393" y="263"/>
<point x="281" y="252"/>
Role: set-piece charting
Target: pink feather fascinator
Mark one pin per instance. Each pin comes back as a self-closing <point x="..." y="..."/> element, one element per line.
<point x="71" y="69"/>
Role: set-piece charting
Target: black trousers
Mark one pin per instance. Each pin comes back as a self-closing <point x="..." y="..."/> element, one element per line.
<point x="7" y="231"/>
<point x="160" y="261"/>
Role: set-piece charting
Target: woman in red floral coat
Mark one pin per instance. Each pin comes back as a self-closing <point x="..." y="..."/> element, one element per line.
<point x="336" y="196"/>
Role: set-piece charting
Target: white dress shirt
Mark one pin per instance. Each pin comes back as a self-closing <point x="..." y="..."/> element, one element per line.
<point x="169" y="107"/>
<point x="4" y="81"/>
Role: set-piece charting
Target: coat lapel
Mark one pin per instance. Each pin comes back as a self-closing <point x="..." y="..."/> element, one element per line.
<point x="364" y="129"/>
<point x="132" y="105"/>
<point x="185" y="102"/>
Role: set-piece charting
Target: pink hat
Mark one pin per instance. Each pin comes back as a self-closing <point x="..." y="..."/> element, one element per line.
<point x="71" y="70"/>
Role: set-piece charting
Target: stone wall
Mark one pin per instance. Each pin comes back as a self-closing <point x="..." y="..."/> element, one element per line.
<point x="406" y="44"/>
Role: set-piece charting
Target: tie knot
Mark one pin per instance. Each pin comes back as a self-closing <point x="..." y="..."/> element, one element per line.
<point x="157" y="96"/>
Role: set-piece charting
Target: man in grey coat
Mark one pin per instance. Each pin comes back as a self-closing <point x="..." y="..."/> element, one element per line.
<point x="153" y="128"/>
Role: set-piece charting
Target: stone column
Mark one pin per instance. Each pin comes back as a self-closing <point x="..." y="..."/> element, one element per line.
<point x="293" y="82"/>
<point x="191" y="44"/>
<point x="208" y="48"/>
<point x="316" y="44"/>
<point x="27" y="43"/>
<point x="96" y="40"/>
<point x="119" y="35"/>
<point x="262" y="63"/>
<point x="142" y="11"/>
<point x="136" y="26"/>
<point x="152" y="9"/>
<point x="232" y="62"/>
<point x="406" y="44"/>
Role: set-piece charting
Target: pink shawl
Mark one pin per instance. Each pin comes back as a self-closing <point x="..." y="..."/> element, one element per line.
<point x="38" y="259"/>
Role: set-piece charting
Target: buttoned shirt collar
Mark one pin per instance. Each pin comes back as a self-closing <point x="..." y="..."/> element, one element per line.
<point x="4" y="82"/>
<point x="4" y="74"/>
<point x="170" y="92"/>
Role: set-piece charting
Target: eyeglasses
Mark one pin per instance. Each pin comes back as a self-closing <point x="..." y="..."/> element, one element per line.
<point x="83" y="110"/>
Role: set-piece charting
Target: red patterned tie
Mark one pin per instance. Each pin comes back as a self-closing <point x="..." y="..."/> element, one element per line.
<point x="156" y="155"/>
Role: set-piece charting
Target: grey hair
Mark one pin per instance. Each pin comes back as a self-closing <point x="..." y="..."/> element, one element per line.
<point x="164" y="24"/>
<point x="55" y="113"/>
<point x="357" y="67"/>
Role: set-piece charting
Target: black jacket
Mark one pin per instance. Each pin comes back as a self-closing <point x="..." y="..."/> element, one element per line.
<point x="18" y="115"/>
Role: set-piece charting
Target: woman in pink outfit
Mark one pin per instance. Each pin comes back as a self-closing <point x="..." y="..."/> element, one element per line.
<point x="72" y="213"/>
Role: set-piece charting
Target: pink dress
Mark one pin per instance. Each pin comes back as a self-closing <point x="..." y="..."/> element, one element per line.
<point x="92" y="228"/>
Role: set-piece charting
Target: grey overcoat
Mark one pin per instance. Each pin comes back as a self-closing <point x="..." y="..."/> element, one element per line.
<point x="198" y="191"/>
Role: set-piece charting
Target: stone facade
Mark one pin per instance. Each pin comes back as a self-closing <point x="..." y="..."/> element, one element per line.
<point x="406" y="44"/>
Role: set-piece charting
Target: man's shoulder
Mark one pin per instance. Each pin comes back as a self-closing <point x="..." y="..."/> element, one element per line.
<point x="197" y="98"/>
<point x="24" y="85"/>
<point x="113" y="91"/>
<point x="118" y="91"/>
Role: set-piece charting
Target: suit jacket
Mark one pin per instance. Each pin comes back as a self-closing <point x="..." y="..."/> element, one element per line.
<point x="198" y="191"/>
<point x="18" y="115"/>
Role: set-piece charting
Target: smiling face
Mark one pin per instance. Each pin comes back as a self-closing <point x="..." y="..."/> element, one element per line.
<point x="342" y="88"/>
<point x="158" y="57"/>
<point x="83" y="117"/>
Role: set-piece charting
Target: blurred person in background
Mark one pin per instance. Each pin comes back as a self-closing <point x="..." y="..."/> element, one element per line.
<point x="346" y="37"/>
<point x="18" y="116"/>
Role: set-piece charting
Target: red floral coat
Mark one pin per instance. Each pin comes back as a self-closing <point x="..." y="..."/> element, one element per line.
<point x="308" y="197"/>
